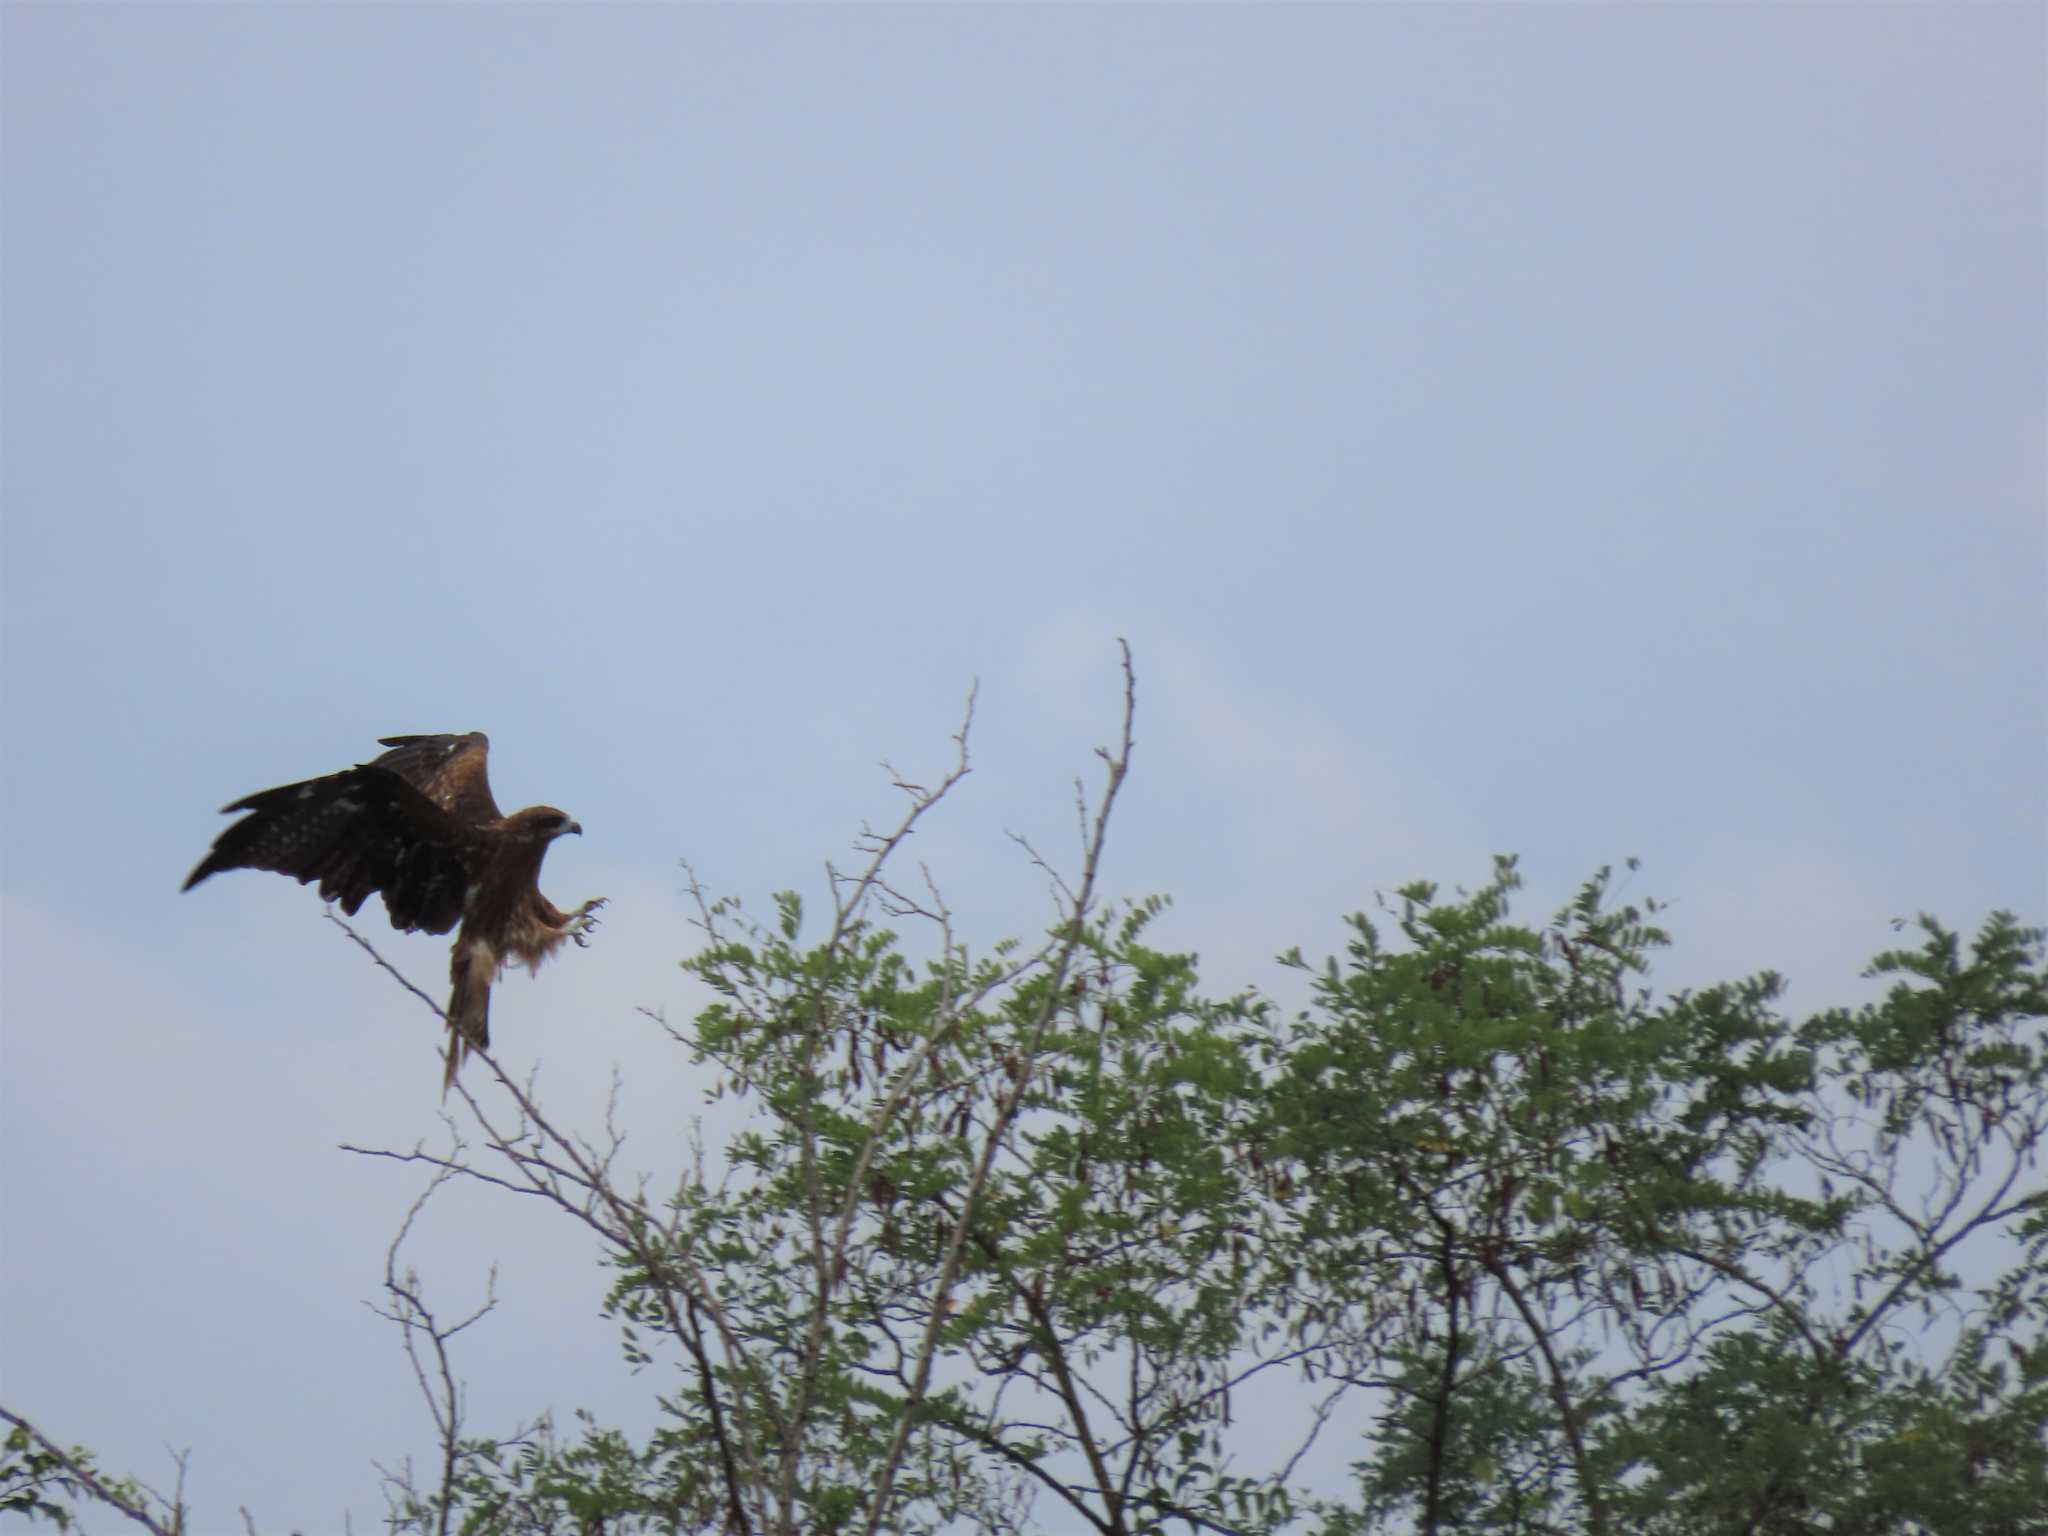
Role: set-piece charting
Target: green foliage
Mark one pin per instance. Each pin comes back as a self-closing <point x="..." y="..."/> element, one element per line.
<point x="1008" y="1238"/>
<point x="1594" y="1229"/>
<point x="29" y="1474"/>
<point x="976" y="1180"/>
<point x="40" y="1480"/>
<point x="537" y="1485"/>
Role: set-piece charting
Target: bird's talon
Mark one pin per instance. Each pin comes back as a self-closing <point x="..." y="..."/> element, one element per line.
<point x="586" y="920"/>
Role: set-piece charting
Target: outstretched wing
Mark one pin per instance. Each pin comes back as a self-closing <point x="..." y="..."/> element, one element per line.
<point x="448" y="770"/>
<point x="358" y="832"/>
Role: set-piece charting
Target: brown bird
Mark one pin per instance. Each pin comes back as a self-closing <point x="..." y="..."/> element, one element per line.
<point x="419" y="825"/>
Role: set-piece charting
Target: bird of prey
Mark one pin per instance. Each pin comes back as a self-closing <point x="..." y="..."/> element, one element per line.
<point x="419" y="825"/>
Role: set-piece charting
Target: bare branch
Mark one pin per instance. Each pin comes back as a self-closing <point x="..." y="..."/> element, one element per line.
<point x="440" y="1389"/>
<point x="1076" y="918"/>
<point x="399" y="976"/>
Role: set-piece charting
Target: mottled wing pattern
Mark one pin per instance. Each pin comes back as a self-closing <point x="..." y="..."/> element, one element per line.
<point x="451" y="771"/>
<point x="358" y="832"/>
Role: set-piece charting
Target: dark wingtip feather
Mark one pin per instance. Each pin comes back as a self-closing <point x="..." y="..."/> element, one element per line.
<point x="281" y="798"/>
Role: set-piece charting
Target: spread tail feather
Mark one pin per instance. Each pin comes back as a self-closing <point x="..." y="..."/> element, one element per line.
<point x="469" y="1007"/>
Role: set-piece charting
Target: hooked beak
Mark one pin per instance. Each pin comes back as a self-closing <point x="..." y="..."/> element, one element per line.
<point x="574" y="826"/>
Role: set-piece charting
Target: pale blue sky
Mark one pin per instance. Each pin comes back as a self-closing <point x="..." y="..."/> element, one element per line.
<point x="1584" y="431"/>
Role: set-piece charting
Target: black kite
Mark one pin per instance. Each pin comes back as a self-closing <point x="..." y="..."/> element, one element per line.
<point x="419" y="825"/>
